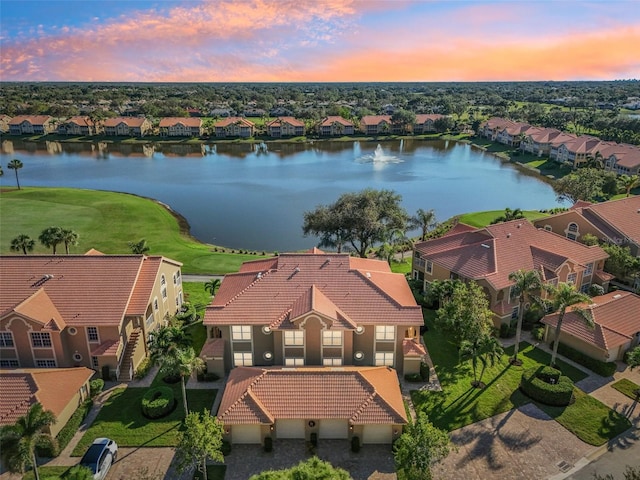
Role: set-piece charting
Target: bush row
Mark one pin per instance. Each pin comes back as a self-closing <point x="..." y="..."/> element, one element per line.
<point x="158" y="402"/>
<point x="68" y="431"/>
<point x="547" y="385"/>
<point x="605" y="369"/>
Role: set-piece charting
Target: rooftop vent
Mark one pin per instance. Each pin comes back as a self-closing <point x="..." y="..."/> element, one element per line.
<point x="508" y="235"/>
<point x="297" y="269"/>
<point x="617" y="296"/>
<point x="519" y="225"/>
<point x="368" y="274"/>
<point x="484" y="245"/>
<point x="259" y="275"/>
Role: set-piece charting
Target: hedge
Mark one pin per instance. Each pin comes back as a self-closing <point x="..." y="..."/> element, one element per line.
<point x="67" y="432"/>
<point x="158" y="402"/>
<point x="604" y="369"/>
<point x="96" y="386"/>
<point x="537" y="384"/>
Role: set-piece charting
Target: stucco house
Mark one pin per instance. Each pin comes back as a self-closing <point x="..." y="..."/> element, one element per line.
<point x="78" y="126"/>
<point x="577" y="151"/>
<point x="616" y="318"/>
<point x="127" y="126"/>
<point x="376" y="124"/>
<point x="92" y="310"/>
<point x="425" y="122"/>
<point x="285" y="127"/>
<point x="181" y="127"/>
<point x="488" y="255"/>
<point x="538" y="140"/>
<point x="511" y="133"/>
<point x="4" y="123"/>
<point x="59" y="390"/>
<point x="334" y="126"/>
<point x="31" y="124"/>
<point x="234" y="127"/>
<point x="622" y="159"/>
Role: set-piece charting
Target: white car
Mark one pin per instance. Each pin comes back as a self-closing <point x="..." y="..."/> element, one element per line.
<point x="100" y="456"/>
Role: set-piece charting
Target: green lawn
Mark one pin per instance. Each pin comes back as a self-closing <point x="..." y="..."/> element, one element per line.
<point x="459" y="404"/>
<point x="47" y="472"/>
<point x="198" y="333"/>
<point x="107" y="221"/>
<point x="402" y="266"/>
<point x="627" y="387"/>
<point x="482" y="219"/>
<point x="121" y="419"/>
<point x="195" y="293"/>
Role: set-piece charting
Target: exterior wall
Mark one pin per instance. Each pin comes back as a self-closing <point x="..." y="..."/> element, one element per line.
<point x="560" y="224"/>
<point x="573" y="342"/>
<point x="27" y="355"/>
<point x="69" y="410"/>
<point x="263" y="343"/>
<point x="364" y="342"/>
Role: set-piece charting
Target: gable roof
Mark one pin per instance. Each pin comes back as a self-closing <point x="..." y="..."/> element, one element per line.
<point x="81" y="121"/>
<point x="349" y="290"/>
<point x="290" y="120"/>
<point x="375" y="119"/>
<point x="129" y="121"/>
<point x="493" y="252"/>
<point x="32" y="119"/>
<point x="363" y="395"/>
<point x="615" y="316"/>
<point x="52" y="387"/>
<point x="328" y="121"/>
<point x="225" y="122"/>
<point x="423" y="117"/>
<point x="619" y="219"/>
<point x="193" y="122"/>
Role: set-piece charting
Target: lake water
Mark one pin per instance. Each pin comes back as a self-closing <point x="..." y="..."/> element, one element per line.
<point x="253" y="197"/>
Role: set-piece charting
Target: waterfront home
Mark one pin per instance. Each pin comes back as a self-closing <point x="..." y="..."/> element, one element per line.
<point x="512" y="133"/>
<point x="59" y="390"/>
<point x="127" y="126"/>
<point x="376" y="124"/>
<point x="577" y="151"/>
<point x="616" y="326"/>
<point x="425" y="123"/>
<point x="492" y="127"/>
<point x="90" y="310"/>
<point x="4" y="123"/>
<point x="234" y="127"/>
<point x="488" y="255"/>
<point x="334" y="126"/>
<point x="621" y="158"/>
<point x="31" y="125"/>
<point x="538" y="140"/>
<point x="80" y="125"/>
<point x="285" y="127"/>
<point x="181" y="127"/>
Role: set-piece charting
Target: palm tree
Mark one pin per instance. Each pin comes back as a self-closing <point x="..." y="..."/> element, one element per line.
<point x="633" y="358"/>
<point x="140" y="247"/>
<point x="509" y="215"/>
<point x="166" y="341"/>
<point x="69" y="237"/>
<point x="23" y="243"/>
<point x="185" y="363"/>
<point x="564" y="296"/>
<point x="212" y="286"/>
<point x="424" y="220"/>
<point x="628" y="183"/>
<point x="19" y="441"/>
<point x="51" y="237"/>
<point x="484" y="349"/>
<point x="526" y="283"/>
<point x="15" y="165"/>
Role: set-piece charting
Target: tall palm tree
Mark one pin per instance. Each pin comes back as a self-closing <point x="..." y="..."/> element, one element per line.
<point x="212" y="286"/>
<point x="23" y="243"/>
<point x="69" y="237"/>
<point x="166" y="341"/>
<point x="562" y="298"/>
<point x="424" y="220"/>
<point x="527" y="282"/>
<point x="509" y="215"/>
<point x="628" y="183"/>
<point x="15" y="165"/>
<point x="484" y="350"/>
<point x="140" y="247"/>
<point x="51" y="237"/>
<point x="19" y="441"/>
<point x="185" y="363"/>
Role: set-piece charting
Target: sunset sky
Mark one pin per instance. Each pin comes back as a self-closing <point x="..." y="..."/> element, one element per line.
<point x="318" y="41"/>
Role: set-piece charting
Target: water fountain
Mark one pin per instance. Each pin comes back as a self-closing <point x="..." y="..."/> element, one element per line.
<point x="379" y="157"/>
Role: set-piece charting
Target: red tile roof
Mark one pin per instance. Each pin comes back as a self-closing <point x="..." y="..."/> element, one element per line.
<point x="81" y="121"/>
<point x="350" y="291"/>
<point x="129" y="121"/>
<point x="413" y="348"/>
<point x="290" y="120"/>
<point x="423" y="117"/>
<point x="492" y="253"/>
<point x="616" y="316"/>
<point x="52" y="387"/>
<point x="375" y="119"/>
<point x="32" y="119"/>
<point x="193" y="122"/>
<point x="225" y="122"/>
<point x="143" y="289"/>
<point x="365" y="395"/>
<point x="328" y="121"/>
<point x="213" y="348"/>
<point x="622" y="216"/>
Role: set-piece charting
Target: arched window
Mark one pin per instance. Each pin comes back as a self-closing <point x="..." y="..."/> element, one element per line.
<point x="572" y="231"/>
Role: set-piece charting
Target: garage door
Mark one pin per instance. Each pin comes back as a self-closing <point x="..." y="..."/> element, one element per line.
<point x="290" y="428"/>
<point x="245" y="434"/>
<point x="334" y="428"/>
<point x="377" y="434"/>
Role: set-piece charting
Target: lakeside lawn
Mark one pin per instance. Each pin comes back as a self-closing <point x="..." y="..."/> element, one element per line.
<point x="459" y="404"/>
<point x="482" y="219"/>
<point x="628" y="388"/>
<point x="107" y="221"/>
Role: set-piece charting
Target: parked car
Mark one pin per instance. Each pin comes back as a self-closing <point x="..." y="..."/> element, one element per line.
<point x="100" y="456"/>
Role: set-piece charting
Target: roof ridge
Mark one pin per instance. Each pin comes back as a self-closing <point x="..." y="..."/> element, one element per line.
<point x="379" y="289"/>
<point x="241" y="292"/>
<point x="246" y="392"/>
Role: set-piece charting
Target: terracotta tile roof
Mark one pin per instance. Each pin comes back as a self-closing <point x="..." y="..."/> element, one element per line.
<point x="328" y="121"/>
<point x="357" y="296"/>
<point x="52" y="387"/>
<point x="80" y="121"/>
<point x="423" y="117"/>
<point x="413" y="348"/>
<point x="516" y="128"/>
<point x="493" y="252"/>
<point x="616" y="317"/>
<point x="143" y="289"/>
<point x="109" y="347"/>
<point x="290" y="120"/>
<point x="459" y="228"/>
<point x="622" y="216"/>
<point x="583" y="144"/>
<point x="193" y="122"/>
<point x="213" y="348"/>
<point x="362" y="395"/>
<point x="41" y="309"/>
<point x="375" y="119"/>
<point x="562" y="138"/>
<point x="225" y="122"/>
<point x="85" y="289"/>
<point x="543" y="135"/>
<point x="32" y="119"/>
<point x="93" y="251"/>
<point x="129" y="121"/>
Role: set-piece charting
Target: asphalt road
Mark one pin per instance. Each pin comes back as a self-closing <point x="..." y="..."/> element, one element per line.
<point x="626" y="452"/>
<point x="200" y="278"/>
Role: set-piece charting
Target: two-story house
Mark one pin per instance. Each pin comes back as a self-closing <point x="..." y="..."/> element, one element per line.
<point x="488" y="255"/>
<point x="334" y="126"/>
<point x="511" y="133"/>
<point x="285" y="127"/>
<point x="234" y="127"/>
<point x="31" y="125"/>
<point x="181" y="127"/>
<point x="4" y="123"/>
<point x="91" y="310"/>
<point x="425" y="122"/>
<point x="622" y="159"/>
<point x="78" y="126"/>
<point x="538" y="140"/>
<point x="577" y="150"/>
<point x="319" y="323"/>
<point x="376" y="124"/>
<point x="127" y="127"/>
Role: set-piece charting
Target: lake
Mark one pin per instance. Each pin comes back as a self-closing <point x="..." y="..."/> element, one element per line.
<point x="254" y="196"/>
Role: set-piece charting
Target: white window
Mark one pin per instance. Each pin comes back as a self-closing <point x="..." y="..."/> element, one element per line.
<point x="515" y="312"/>
<point x="94" y="362"/>
<point x="6" y="339"/>
<point x="164" y="293"/>
<point x="46" y="363"/>
<point x="589" y="269"/>
<point x="163" y="281"/>
<point x="92" y="334"/>
<point x="585" y="287"/>
<point x="385" y="332"/>
<point x="571" y="278"/>
<point x="9" y="363"/>
<point x="332" y="362"/>
<point x="384" y="358"/>
<point x="242" y="359"/>
<point x="155" y="303"/>
<point x="428" y="267"/>
<point x="294" y="361"/>
<point x="332" y="338"/>
<point x="241" y="332"/>
<point x="294" y="338"/>
<point x="175" y="279"/>
<point x="40" y="339"/>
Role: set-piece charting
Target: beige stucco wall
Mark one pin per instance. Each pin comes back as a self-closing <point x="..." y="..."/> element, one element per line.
<point x="68" y="411"/>
<point x="592" y="351"/>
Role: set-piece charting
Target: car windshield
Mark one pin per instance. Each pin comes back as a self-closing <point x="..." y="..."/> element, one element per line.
<point x="90" y="459"/>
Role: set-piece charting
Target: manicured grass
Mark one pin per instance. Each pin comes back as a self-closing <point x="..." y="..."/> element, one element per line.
<point x="627" y="387"/>
<point x="198" y="333"/>
<point x="107" y="221"/>
<point x="195" y="293"/>
<point x="402" y="266"/>
<point x="47" y="472"/>
<point x="482" y="219"/>
<point x="589" y="419"/>
<point x="121" y="419"/>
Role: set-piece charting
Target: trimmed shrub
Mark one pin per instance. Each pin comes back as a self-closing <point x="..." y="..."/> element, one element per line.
<point x="604" y="369"/>
<point x="507" y="330"/>
<point x="268" y="444"/>
<point x="355" y="444"/>
<point x="48" y="451"/>
<point x="158" y="402"/>
<point x="143" y="368"/>
<point x="547" y="385"/>
<point x="413" y="377"/>
<point x="73" y="425"/>
<point x="95" y="387"/>
<point x="538" y="333"/>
